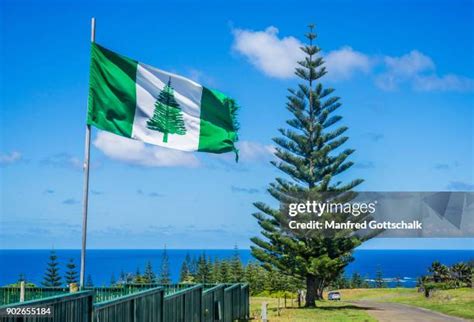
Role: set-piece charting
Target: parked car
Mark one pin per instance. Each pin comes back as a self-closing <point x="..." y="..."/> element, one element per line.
<point x="334" y="296"/>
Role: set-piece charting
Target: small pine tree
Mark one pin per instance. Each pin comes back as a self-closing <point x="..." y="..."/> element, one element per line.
<point x="203" y="273"/>
<point x="379" y="281"/>
<point x="51" y="276"/>
<point x="215" y="268"/>
<point x="356" y="280"/>
<point x="71" y="273"/>
<point x="113" y="281"/>
<point x="89" y="282"/>
<point x="193" y="267"/>
<point x="236" y="267"/>
<point x="123" y="277"/>
<point x="138" y="277"/>
<point x="184" y="272"/>
<point x="225" y="274"/>
<point x="167" y="117"/>
<point x="165" y="276"/>
<point x="149" y="276"/>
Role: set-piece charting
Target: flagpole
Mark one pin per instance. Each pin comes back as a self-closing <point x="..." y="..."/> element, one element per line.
<point x="85" y="200"/>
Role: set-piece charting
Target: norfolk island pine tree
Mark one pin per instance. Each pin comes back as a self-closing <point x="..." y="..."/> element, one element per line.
<point x="52" y="278"/>
<point x="164" y="276"/>
<point x="71" y="273"/>
<point x="307" y="155"/>
<point x="167" y="117"/>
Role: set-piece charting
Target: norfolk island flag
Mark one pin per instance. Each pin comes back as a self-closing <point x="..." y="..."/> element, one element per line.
<point x="141" y="102"/>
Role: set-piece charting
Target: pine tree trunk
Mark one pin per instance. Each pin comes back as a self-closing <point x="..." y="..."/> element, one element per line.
<point x="165" y="137"/>
<point x="310" y="291"/>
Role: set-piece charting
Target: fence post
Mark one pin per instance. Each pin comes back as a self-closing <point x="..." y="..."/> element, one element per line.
<point x="73" y="288"/>
<point x="217" y="311"/>
<point x="278" y="310"/>
<point x="22" y="291"/>
<point x="264" y="312"/>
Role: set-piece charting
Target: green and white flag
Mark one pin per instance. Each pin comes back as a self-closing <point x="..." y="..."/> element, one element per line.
<point x="141" y="102"/>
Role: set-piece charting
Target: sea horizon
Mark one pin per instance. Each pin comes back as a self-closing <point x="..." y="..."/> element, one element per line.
<point x="101" y="264"/>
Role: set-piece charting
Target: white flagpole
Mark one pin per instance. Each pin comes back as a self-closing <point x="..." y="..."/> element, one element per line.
<point x="85" y="200"/>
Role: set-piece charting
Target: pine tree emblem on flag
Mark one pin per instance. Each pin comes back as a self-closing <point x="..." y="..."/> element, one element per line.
<point x="167" y="117"/>
<point x="138" y="101"/>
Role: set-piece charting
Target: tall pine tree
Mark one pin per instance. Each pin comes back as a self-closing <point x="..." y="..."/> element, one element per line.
<point x="164" y="276"/>
<point x="310" y="153"/>
<point x="236" y="267"/>
<point x="185" y="275"/>
<point x="167" y="117"/>
<point x="71" y="273"/>
<point x="113" y="281"/>
<point x="149" y="276"/>
<point x="225" y="274"/>
<point x="89" y="282"/>
<point x="51" y="277"/>
<point x="203" y="272"/>
<point x="215" y="270"/>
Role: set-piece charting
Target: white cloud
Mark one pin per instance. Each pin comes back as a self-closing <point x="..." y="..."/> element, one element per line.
<point x="138" y="153"/>
<point x="448" y="82"/>
<point x="419" y="71"/>
<point x="274" y="56"/>
<point x="343" y="63"/>
<point x="10" y="158"/>
<point x="409" y="64"/>
<point x="278" y="57"/>
<point x="253" y="151"/>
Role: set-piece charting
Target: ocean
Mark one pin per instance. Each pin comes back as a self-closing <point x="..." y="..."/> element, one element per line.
<point x="102" y="263"/>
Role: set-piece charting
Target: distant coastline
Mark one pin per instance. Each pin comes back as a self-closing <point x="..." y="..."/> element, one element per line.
<point x="102" y="263"/>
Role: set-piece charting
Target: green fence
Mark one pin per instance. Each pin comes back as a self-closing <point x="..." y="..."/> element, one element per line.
<point x="12" y="294"/>
<point x="138" y="303"/>
<point x="184" y="305"/>
<point x="236" y="302"/>
<point x="74" y="307"/>
<point x="245" y="301"/>
<point x="141" y="306"/>
<point x="213" y="304"/>
<point x="168" y="288"/>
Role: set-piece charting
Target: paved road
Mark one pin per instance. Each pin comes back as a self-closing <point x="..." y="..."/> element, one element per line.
<point x="391" y="312"/>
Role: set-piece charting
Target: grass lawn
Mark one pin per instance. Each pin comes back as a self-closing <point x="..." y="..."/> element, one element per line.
<point x="456" y="302"/>
<point x="325" y="311"/>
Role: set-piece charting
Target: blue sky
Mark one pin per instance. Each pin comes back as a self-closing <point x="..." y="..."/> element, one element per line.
<point x="404" y="70"/>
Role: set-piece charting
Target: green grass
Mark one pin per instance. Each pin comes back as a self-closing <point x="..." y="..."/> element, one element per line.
<point x="325" y="311"/>
<point x="455" y="302"/>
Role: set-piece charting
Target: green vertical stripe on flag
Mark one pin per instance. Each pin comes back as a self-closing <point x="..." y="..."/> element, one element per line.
<point x="218" y="130"/>
<point x="112" y="91"/>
